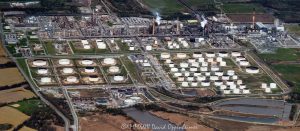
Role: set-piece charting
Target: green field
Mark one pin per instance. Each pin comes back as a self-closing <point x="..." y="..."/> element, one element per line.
<point x="164" y="6"/>
<point x="290" y="73"/>
<point x="282" y="54"/>
<point x="28" y="106"/>
<point x="242" y="8"/>
<point x="50" y="48"/>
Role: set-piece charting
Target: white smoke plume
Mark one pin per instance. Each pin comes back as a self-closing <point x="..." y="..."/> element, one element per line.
<point x="158" y="18"/>
<point x="204" y="22"/>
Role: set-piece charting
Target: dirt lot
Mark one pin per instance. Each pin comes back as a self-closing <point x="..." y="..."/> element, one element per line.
<point x="103" y="122"/>
<point x="192" y="124"/>
<point x="10" y="76"/>
<point x="12" y="116"/>
<point x="3" y="55"/>
<point x="14" y="95"/>
<point x="25" y="128"/>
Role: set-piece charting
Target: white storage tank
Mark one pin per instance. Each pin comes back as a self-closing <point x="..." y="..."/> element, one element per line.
<point x="72" y="79"/>
<point x="236" y="91"/>
<point x="184" y="65"/>
<point x="229" y="82"/>
<point x="214" y="78"/>
<point x="239" y="82"/>
<point x="185" y="84"/>
<point x="165" y="55"/>
<point x="236" y="54"/>
<point x="194" y="84"/>
<point x="252" y="70"/>
<point x="203" y="68"/>
<point x="42" y="71"/>
<point x="219" y="73"/>
<point x="201" y="78"/>
<point x="223" y="87"/>
<point x="168" y="61"/>
<point x="210" y="60"/>
<point x="223" y="54"/>
<point x="119" y="78"/>
<point x="177" y="74"/>
<point x="129" y="102"/>
<point x="210" y="54"/>
<point x="242" y="86"/>
<point x="39" y="62"/>
<point x="110" y="61"/>
<point x="214" y="68"/>
<point x="246" y="91"/>
<point x="268" y="90"/>
<point x="89" y="69"/>
<point x="204" y="64"/>
<point x="223" y="63"/>
<point x="180" y="79"/>
<point x="219" y="59"/>
<point x="148" y="47"/>
<point x="218" y="83"/>
<point x="193" y="69"/>
<point x="190" y="79"/>
<point x="94" y="78"/>
<point x="225" y="77"/>
<point x="114" y="69"/>
<point x="171" y="65"/>
<point x="244" y="63"/>
<point x="232" y="87"/>
<point x="197" y="55"/>
<point x="195" y="64"/>
<point x="207" y="73"/>
<point x="205" y="83"/>
<point x="87" y="62"/>
<point x="234" y="77"/>
<point x="101" y="44"/>
<point x="187" y="73"/>
<point x="181" y="55"/>
<point x="230" y="72"/>
<point x="64" y="61"/>
<point x="227" y="91"/>
<point x="201" y="59"/>
<point x="273" y="85"/>
<point x="67" y="70"/>
<point x="46" y="80"/>
<point x="240" y="58"/>
<point x="191" y="60"/>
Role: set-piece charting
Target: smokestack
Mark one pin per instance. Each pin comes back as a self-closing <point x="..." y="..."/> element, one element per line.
<point x="253" y="18"/>
<point x="153" y="27"/>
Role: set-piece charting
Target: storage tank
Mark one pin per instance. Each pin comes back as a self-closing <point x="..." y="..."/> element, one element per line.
<point x="203" y="68"/>
<point x="230" y="72"/>
<point x="232" y="87"/>
<point x="223" y="63"/>
<point x="204" y="64"/>
<point x="268" y="90"/>
<point x="240" y="58"/>
<point x="201" y="78"/>
<point x="273" y="85"/>
<point x="64" y="61"/>
<point x="223" y="87"/>
<point x="218" y="83"/>
<point x="165" y="55"/>
<point x="114" y="69"/>
<point x="129" y="102"/>
<point x="236" y="54"/>
<point x="168" y="61"/>
<point x="46" y="80"/>
<point x="177" y="74"/>
<point x="195" y="64"/>
<point x="197" y="73"/>
<point x="87" y="62"/>
<point x="194" y="84"/>
<point x="229" y="82"/>
<point x="181" y="55"/>
<point x="205" y="83"/>
<point x="89" y="69"/>
<point x="219" y="73"/>
<point x="207" y="73"/>
<point x="180" y="79"/>
<point x="94" y="78"/>
<point x="67" y="70"/>
<point x="246" y="91"/>
<point x="214" y="78"/>
<point x="214" y="68"/>
<point x="182" y="69"/>
<point x="242" y="86"/>
<point x="236" y="91"/>
<point x="252" y="70"/>
<point x="234" y="77"/>
<point x="219" y="59"/>
<point x="136" y="98"/>
<point x="191" y="60"/>
<point x="39" y="62"/>
<point x="197" y="55"/>
<point x="148" y="47"/>
<point x="190" y="79"/>
<point x="86" y="47"/>
<point x="201" y="59"/>
<point x="119" y="78"/>
<point x="187" y="73"/>
<point x="72" y="79"/>
<point x="184" y="65"/>
<point x="225" y="77"/>
<point x="193" y="69"/>
<point x="244" y="63"/>
<point x="210" y="60"/>
<point x="185" y="84"/>
<point x="42" y="71"/>
<point x="223" y="54"/>
<point x="110" y="61"/>
<point x="210" y="54"/>
<point x="227" y="91"/>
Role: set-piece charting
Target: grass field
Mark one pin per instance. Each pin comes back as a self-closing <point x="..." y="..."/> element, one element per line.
<point x="290" y="73"/>
<point x="164" y="6"/>
<point x="12" y="116"/>
<point x="295" y="29"/>
<point x="10" y="76"/>
<point x="282" y="54"/>
<point x="242" y="8"/>
<point x="50" y="47"/>
<point x="28" y="106"/>
<point x="14" y="95"/>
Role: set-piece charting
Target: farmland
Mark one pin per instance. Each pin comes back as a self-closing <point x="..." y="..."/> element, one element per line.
<point x="12" y="116"/>
<point x="242" y="8"/>
<point x="13" y="74"/>
<point x="16" y="94"/>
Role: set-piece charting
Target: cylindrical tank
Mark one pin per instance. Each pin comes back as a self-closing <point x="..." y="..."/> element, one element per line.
<point x="252" y="70"/>
<point x="236" y="91"/>
<point x="174" y="69"/>
<point x="223" y="54"/>
<point x="64" y="61"/>
<point x="219" y="59"/>
<point x="210" y="60"/>
<point x="42" y="71"/>
<point x="89" y="69"/>
<point x="230" y="72"/>
<point x="193" y="69"/>
<point x="119" y="78"/>
<point x="219" y="73"/>
<point x="165" y="55"/>
<point x="273" y="85"/>
<point x="240" y="58"/>
<point x="194" y="84"/>
<point x="87" y="62"/>
<point x="195" y="64"/>
<point x="204" y="64"/>
<point x="180" y="79"/>
<point x="244" y="63"/>
<point x="190" y="79"/>
<point x="225" y="77"/>
<point x="205" y="83"/>
<point x="207" y="73"/>
<point x="109" y="61"/>
<point x="268" y="90"/>
<point x="46" y="80"/>
<point x="177" y="74"/>
<point x="223" y="87"/>
<point x="232" y="87"/>
<point x="227" y="91"/>
<point x="201" y="78"/>
<point x="181" y="55"/>
<point x="185" y="84"/>
<point x="72" y="79"/>
<point x="234" y="77"/>
<point x="168" y="61"/>
<point x="94" y="78"/>
<point x="235" y="54"/>
<point x="218" y="83"/>
<point x="214" y="68"/>
<point x="214" y="78"/>
<point x="197" y="55"/>
<point x="246" y="91"/>
<point x="242" y="86"/>
<point x="203" y="68"/>
<point x="184" y="65"/>
<point x="210" y="54"/>
<point x="201" y="59"/>
<point x="114" y="69"/>
<point x="67" y="70"/>
<point x="191" y="60"/>
<point x="223" y="63"/>
<point x="229" y="82"/>
<point x="39" y="62"/>
<point x="187" y="73"/>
